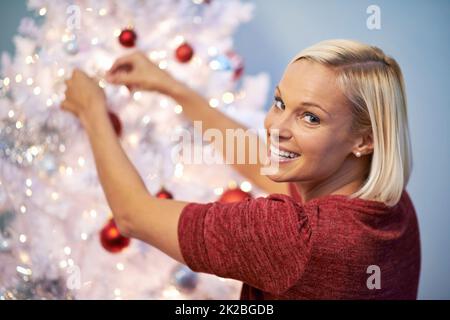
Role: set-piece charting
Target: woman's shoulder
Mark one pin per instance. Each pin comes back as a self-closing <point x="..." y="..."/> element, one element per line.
<point x="344" y="202"/>
<point x="341" y="211"/>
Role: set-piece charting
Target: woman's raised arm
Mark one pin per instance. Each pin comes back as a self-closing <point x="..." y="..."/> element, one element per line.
<point x="137" y="71"/>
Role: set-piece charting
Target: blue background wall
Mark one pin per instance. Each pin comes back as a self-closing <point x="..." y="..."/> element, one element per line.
<point x="416" y="33"/>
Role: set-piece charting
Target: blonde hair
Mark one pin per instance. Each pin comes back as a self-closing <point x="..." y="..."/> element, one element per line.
<point x="373" y="83"/>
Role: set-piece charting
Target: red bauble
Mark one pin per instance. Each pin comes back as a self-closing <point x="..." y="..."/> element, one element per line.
<point x="117" y="124"/>
<point x="128" y="38"/>
<point x="164" y="194"/>
<point x="237" y="63"/>
<point x="184" y="53"/>
<point x="112" y="240"/>
<point x="238" y="73"/>
<point x="234" y="195"/>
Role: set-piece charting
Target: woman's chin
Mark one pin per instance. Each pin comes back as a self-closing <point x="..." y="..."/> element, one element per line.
<point x="284" y="171"/>
<point x="280" y="175"/>
<point x="277" y="178"/>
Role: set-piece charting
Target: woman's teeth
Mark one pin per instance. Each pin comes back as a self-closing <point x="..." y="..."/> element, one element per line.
<point x="283" y="154"/>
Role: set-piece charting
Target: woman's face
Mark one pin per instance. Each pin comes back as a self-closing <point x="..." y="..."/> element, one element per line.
<point x="314" y="121"/>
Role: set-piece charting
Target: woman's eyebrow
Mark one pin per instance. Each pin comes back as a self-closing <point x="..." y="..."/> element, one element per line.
<point x="307" y="104"/>
<point x="312" y="104"/>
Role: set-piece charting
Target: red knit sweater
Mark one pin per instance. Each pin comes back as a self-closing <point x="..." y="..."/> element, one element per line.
<point x="281" y="248"/>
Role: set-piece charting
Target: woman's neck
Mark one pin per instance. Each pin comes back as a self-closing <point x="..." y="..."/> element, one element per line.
<point x="345" y="181"/>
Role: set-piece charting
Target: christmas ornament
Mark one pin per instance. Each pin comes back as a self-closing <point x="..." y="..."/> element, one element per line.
<point x="52" y="137"/>
<point x="223" y="63"/>
<point x="111" y="239"/>
<point x="14" y="145"/>
<point x="47" y="164"/>
<point x="229" y="62"/>
<point x="164" y="194"/>
<point x="6" y="218"/>
<point x="184" y="53"/>
<point x="127" y="38"/>
<point x="234" y="195"/>
<point x="5" y="245"/>
<point x="184" y="278"/>
<point x="71" y="47"/>
<point x="237" y="64"/>
<point x="117" y="124"/>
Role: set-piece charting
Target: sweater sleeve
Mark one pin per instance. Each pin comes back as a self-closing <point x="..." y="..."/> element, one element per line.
<point x="263" y="242"/>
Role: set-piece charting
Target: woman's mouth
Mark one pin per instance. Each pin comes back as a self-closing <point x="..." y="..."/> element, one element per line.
<point x="282" y="155"/>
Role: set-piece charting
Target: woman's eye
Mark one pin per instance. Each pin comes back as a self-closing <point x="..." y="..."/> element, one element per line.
<point x="311" y="118"/>
<point x="278" y="103"/>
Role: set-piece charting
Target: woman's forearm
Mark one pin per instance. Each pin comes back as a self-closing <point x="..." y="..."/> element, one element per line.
<point x="121" y="182"/>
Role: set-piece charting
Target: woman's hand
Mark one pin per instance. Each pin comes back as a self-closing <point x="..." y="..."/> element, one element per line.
<point x="137" y="72"/>
<point x="84" y="98"/>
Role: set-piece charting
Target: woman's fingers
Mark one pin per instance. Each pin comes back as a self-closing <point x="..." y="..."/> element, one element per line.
<point x="121" y="62"/>
<point x="120" y="78"/>
<point x="68" y="106"/>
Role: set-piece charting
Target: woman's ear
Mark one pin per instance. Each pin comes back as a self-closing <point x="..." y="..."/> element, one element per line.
<point x="364" y="145"/>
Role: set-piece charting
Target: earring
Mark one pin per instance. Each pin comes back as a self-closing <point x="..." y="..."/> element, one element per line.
<point x="358" y="154"/>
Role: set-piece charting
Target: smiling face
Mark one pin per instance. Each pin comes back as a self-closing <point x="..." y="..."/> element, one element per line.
<point x="314" y="120"/>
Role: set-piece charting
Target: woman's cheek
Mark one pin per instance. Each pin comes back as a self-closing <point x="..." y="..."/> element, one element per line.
<point x="315" y="147"/>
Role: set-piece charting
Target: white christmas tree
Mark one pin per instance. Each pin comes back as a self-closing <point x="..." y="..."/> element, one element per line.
<point x="56" y="241"/>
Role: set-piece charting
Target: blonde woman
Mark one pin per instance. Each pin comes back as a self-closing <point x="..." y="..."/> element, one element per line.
<point x="338" y="223"/>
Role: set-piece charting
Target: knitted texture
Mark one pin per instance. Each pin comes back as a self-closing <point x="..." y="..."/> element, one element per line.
<point x="282" y="248"/>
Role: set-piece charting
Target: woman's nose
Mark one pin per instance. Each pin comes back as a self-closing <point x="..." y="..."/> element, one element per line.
<point x="280" y="131"/>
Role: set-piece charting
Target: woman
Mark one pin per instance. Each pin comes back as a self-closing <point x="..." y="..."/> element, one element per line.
<point x="338" y="222"/>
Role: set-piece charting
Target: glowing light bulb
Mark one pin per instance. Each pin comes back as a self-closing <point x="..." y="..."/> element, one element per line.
<point x="23" y="238"/>
<point x="133" y="139"/>
<point x="81" y="161"/>
<point x="163" y="65"/>
<point x="218" y="191"/>
<point x="178" y="109"/>
<point x="137" y="96"/>
<point x="246" y="186"/>
<point x="228" y="98"/>
<point x="214" y="103"/>
<point x="120" y="266"/>
<point x="29" y="60"/>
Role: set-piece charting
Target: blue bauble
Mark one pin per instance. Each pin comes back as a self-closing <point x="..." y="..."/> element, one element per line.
<point x="48" y="164"/>
<point x="71" y="47"/>
<point x="184" y="278"/>
<point x="224" y="62"/>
